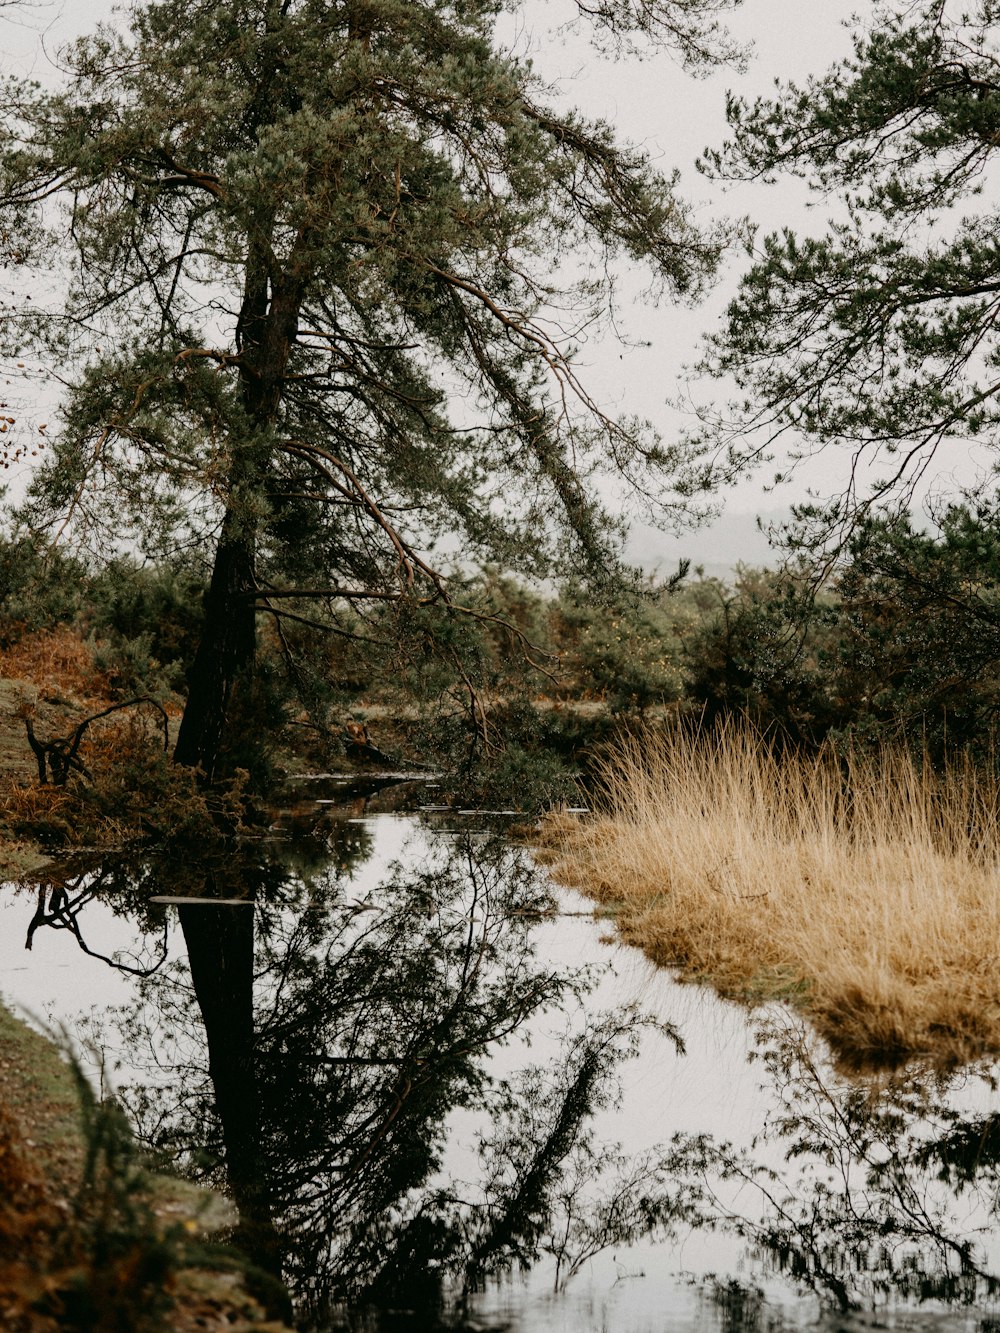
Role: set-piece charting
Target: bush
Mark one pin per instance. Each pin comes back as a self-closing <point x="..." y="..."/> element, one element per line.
<point x="759" y="650"/>
<point x="132" y="791"/>
<point x="149" y="618"/>
<point x="39" y="589"/>
<point x="99" y="1263"/>
<point x="142" y="622"/>
<point x="627" y="654"/>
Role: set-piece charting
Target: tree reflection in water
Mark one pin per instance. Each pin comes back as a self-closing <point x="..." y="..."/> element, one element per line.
<point x="886" y="1193"/>
<point x="310" y="1052"/>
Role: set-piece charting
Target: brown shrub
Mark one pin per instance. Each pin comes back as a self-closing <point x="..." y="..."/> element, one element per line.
<point x="130" y="790"/>
<point x="28" y="1221"/>
<point x="56" y="660"/>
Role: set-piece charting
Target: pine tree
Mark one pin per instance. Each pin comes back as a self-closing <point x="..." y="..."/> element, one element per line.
<point x="323" y="263"/>
<point x="878" y="334"/>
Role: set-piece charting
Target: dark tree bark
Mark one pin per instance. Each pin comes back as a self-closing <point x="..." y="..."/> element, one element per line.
<point x="224" y="663"/>
<point x="225" y="658"/>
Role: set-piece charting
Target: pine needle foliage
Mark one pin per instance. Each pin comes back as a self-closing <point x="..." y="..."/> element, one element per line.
<point x="878" y="332"/>
<point x="324" y="270"/>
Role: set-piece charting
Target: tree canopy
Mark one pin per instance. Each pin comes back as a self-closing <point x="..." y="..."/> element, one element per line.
<point x="878" y="334"/>
<point x="321" y="266"/>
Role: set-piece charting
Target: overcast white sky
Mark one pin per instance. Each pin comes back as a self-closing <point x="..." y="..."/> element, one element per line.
<point x="654" y="103"/>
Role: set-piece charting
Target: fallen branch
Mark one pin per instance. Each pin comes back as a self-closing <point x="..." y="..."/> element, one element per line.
<point x="358" y="744"/>
<point x="59" y="757"/>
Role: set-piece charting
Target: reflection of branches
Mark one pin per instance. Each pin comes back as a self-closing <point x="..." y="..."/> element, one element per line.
<point x="374" y="1019"/>
<point x="638" y="1195"/>
<point x="549" y="1186"/>
<point x="868" y="1214"/>
<point x="61" y="909"/>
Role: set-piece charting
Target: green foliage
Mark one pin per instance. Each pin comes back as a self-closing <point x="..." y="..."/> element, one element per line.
<point x="141" y="621"/>
<point x="918" y="632"/>
<point x="147" y="619"/>
<point x="881" y="333"/>
<point x="129" y="666"/>
<point x="313" y="288"/>
<point x="535" y="759"/>
<point x="626" y="651"/>
<point x="755" y="649"/>
<point x="38" y="588"/>
<point x="905" y="643"/>
<point x="140" y="793"/>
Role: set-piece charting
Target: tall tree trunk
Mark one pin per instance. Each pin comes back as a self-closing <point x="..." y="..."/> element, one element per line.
<point x="225" y="657"/>
<point x="224" y="661"/>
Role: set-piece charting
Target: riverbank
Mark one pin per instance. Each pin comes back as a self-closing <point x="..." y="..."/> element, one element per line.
<point x="88" y="1237"/>
<point x="863" y="889"/>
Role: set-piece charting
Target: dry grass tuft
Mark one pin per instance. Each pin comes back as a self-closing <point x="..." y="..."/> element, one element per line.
<point x="867" y="888"/>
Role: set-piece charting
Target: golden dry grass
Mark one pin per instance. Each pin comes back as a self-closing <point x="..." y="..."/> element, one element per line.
<point x="866" y="888"/>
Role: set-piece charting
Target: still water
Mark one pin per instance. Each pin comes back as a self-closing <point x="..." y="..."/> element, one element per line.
<point x="442" y="1099"/>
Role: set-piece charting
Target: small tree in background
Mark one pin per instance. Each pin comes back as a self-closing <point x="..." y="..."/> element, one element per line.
<point x="878" y="334"/>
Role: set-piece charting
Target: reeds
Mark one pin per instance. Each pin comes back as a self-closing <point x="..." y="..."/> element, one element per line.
<point x="866" y="887"/>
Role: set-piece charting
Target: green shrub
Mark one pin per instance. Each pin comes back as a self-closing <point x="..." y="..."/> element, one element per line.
<point x="628" y="654"/>
<point x="39" y="587"/>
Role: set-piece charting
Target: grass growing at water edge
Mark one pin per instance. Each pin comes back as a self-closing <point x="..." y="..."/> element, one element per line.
<point x="865" y="887"/>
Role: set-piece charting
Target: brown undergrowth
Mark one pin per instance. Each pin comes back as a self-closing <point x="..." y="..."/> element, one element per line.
<point x="124" y="788"/>
<point x="865" y="888"/>
<point x="94" y="1260"/>
<point x="59" y="661"/>
<point x="130" y="790"/>
<point x="90" y="1241"/>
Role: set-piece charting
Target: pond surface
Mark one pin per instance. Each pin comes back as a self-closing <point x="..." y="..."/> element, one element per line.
<point x="441" y="1099"/>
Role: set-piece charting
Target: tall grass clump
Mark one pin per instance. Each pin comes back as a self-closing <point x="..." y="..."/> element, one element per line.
<point x="866" y="886"/>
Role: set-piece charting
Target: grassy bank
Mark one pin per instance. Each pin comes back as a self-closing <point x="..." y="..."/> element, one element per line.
<point x="867" y="889"/>
<point x="89" y="1239"/>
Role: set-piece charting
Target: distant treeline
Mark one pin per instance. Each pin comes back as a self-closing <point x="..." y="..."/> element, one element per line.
<point x="901" y="640"/>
